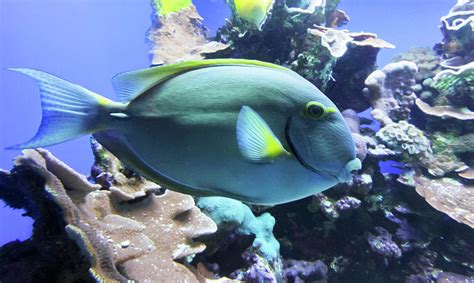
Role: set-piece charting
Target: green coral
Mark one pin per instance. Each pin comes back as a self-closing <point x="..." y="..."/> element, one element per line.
<point x="230" y="214"/>
<point x="457" y="85"/>
<point x="442" y="141"/>
<point x="451" y="80"/>
<point x="166" y="7"/>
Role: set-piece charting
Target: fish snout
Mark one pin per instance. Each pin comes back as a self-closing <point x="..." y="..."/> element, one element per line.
<point x="345" y="175"/>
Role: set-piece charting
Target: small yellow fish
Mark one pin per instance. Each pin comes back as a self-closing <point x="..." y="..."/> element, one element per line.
<point x="254" y="11"/>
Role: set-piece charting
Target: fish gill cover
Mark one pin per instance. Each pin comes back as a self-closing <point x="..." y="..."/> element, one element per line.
<point x="117" y="226"/>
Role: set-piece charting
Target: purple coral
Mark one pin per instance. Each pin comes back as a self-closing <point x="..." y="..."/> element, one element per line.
<point x="405" y="231"/>
<point x="347" y="203"/>
<point x="259" y="271"/>
<point x="304" y="271"/>
<point x="383" y="244"/>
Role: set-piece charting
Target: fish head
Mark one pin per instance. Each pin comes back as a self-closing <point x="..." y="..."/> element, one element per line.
<point x="321" y="139"/>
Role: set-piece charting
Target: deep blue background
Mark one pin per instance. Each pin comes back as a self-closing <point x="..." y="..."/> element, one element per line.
<point x="88" y="41"/>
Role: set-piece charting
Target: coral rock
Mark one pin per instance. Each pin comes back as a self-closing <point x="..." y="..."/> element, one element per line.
<point x="230" y="214"/>
<point x="303" y="271"/>
<point x="142" y="238"/>
<point x="179" y="37"/>
<point x="448" y="196"/>
<point x="445" y="111"/>
<point x="405" y="138"/>
<point x="390" y="91"/>
<point x="383" y="245"/>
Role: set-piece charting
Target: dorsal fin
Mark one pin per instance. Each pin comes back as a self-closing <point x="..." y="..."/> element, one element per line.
<point x="129" y="85"/>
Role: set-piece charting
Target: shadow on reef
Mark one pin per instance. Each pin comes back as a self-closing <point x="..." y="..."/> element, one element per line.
<point x="356" y="247"/>
<point x="49" y="255"/>
<point x="413" y="223"/>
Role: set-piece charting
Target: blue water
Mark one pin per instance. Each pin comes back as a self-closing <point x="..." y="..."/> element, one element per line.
<point x="89" y="41"/>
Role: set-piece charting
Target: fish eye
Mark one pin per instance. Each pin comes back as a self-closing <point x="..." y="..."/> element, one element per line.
<point x="315" y="109"/>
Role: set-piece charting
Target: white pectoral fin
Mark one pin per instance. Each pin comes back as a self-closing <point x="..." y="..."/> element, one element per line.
<point x="255" y="139"/>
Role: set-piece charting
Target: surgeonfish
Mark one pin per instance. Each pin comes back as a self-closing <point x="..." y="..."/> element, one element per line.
<point x="243" y="129"/>
<point x="254" y="11"/>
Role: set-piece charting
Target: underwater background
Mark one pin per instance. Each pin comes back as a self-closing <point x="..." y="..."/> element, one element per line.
<point x="378" y="229"/>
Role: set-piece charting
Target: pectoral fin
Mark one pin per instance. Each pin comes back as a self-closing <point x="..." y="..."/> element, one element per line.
<point x="256" y="141"/>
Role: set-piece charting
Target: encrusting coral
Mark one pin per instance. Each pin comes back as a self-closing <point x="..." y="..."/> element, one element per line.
<point x="445" y="111"/>
<point x="449" y="196"/>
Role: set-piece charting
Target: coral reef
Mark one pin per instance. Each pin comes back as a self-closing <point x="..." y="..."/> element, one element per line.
<point x="303" y="271"/>
<point x="426" y="60"/>
<point x="390" y="91"/>
<point x="404" y="138"/>
<point x="457" y="85"/>
<point x="233" y="215"/>
<point x="337" y="42"/>
<point x="383" y="245"/>
<point x="456" y="28"/>
<point x="258" y="270"/>
<point x="445" y="111"/>
<point x="141" y="237"/>
<point x="407" y="215"/>
<point x="177" y="34"/>
<point x="449" y="196"/>
<point x="294" y="35"/>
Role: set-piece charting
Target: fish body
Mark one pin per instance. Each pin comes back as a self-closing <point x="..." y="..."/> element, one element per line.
<point x="233" y="128"/>
<point x="254" y="11"/>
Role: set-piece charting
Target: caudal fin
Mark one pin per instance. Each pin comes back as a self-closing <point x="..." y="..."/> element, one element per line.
<point x="69" y="110"/>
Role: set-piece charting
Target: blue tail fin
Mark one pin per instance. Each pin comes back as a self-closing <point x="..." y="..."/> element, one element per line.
<point x="69" y="110"/>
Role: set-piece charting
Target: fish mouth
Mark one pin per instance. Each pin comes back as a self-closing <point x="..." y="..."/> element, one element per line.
<point x="345" y="175"/>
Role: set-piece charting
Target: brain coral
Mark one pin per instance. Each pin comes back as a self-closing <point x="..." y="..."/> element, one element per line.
<point x="405" y="138"/>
